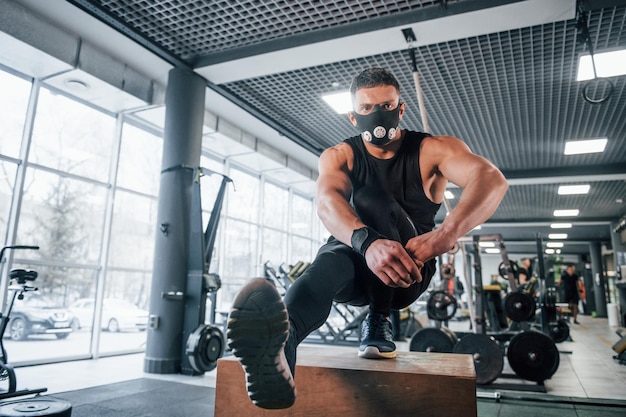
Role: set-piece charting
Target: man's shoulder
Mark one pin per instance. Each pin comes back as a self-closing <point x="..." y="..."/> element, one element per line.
<point x="338" y="150"/>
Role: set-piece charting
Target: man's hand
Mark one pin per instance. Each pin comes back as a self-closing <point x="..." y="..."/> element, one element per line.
<point x="392" y="264"/>
<point x="430" y="245"/>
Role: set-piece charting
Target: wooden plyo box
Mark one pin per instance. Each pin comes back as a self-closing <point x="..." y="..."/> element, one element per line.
<point x="333" y="381"/>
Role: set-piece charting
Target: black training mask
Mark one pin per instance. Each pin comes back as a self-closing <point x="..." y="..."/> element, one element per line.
<point x="380" y="126"/>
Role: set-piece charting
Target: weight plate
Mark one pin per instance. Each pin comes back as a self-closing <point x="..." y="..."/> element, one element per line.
<point x="503" y="270"/>
<point x="559" y="331"/>
<point x="441" y="306"/>
<point x="204" y="347"/>
<point x="519" y="306"/>
<point x="533" y="356"/>
<point x="430" y="339"/>
<point x="36" y="407"/>
<point x="488" y="359"/>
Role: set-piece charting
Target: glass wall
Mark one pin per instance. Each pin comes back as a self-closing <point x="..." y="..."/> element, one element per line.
<point x="13" y="108"/>
<point x="83" y="185"/>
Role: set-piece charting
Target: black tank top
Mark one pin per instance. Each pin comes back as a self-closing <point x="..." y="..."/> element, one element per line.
<point x="399" y="175"/>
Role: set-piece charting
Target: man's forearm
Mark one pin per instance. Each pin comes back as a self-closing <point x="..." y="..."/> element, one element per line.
<point x="339" y="218"/>
<point x="479" y="201"/>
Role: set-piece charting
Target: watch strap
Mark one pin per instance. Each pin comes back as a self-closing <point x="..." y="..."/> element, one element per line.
<point x="362" y="239"/>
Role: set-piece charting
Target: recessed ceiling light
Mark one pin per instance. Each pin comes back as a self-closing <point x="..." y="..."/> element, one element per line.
<point x="340" y="102"/>
<point x="566" y="213"/>
<point x="554" y="244"/>
<point x="477" y="227"/>
<point x="549" y="251"/>
<point x="557" y="236"/>
<point x="573" y="189"/>
<point x="492" y="250"/>
<point x="577" y="147"/>
<point x="76" y="85"/>
<point x="561" y="226"/>
<point x="608" y="64"/>
<point x="448" y="194"/>
<point x="486" y="244"/>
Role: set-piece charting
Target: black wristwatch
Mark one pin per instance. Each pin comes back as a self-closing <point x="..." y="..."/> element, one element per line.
<point x="362" y="238"/>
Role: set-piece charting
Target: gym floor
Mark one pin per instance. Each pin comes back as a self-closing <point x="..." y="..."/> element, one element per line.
<point x="587" y="371"/>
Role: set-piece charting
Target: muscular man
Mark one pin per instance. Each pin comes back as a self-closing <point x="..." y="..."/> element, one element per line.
<point x="377" y="194"/>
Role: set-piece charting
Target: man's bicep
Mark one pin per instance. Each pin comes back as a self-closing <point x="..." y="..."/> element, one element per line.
<point x="459" y="165"/>
<point x="332" y="184"/>
<point x="333" y="174"/>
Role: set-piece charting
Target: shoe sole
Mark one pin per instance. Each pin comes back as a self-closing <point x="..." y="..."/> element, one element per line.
<point x="372" y="352"/>
<point x="258" y="327"/>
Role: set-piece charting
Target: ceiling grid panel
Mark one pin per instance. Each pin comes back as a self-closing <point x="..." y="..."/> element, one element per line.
<point x="499" y="74"/>
<point x="512" y="106"/>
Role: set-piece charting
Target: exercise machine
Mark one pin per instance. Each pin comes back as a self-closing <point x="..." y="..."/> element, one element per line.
<point x="20" y="282"/>
<point x="203" y="344"/>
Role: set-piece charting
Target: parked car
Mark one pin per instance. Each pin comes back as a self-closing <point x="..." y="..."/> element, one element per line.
<point x="37" y="314"/>
<point x="117" y="315"/>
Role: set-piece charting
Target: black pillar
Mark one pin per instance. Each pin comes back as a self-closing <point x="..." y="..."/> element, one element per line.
<point x="598" y="278"/>
<point x="182" y="144"/>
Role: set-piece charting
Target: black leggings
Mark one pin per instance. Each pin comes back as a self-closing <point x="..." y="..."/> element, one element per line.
<point x="340" y="274"/>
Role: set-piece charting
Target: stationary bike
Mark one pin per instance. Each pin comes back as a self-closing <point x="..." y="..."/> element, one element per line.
<point x="20" y="281"/>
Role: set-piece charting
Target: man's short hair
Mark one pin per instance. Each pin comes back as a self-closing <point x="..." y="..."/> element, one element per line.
<point x="373" y="77"/>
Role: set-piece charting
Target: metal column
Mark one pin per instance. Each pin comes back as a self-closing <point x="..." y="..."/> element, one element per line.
<point x="182" y="144"/>
<point x="598" y="278"/>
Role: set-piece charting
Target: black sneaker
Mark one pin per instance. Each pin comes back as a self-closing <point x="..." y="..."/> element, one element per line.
<point x="377" y="338"/>
<point x="258" y="327"/>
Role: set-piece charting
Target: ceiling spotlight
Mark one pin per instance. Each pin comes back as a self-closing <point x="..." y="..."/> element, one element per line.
<point x="576" y="147"/>
<point x="573" y="189"/>
<point x="557" y="236"/>
<point x="340" y="102"/>
<point x="566" y="213"/>
<point x="607" y="64"/>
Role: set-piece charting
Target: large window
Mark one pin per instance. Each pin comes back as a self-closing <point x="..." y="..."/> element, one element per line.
<point x="7" y="182"/>
<point x="63" y="215"/>
<point x="140" y="161"/>
<point x="274" y="241"/>
<point x="13" y="106"/>
<point x="15" y="93"/>
<point x="89" y="200"/>
<point x="72" y="137"/>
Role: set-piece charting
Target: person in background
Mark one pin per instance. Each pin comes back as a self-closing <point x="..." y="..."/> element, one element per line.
<point x="524" y="273"/>
<point x="569" y="281"/>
